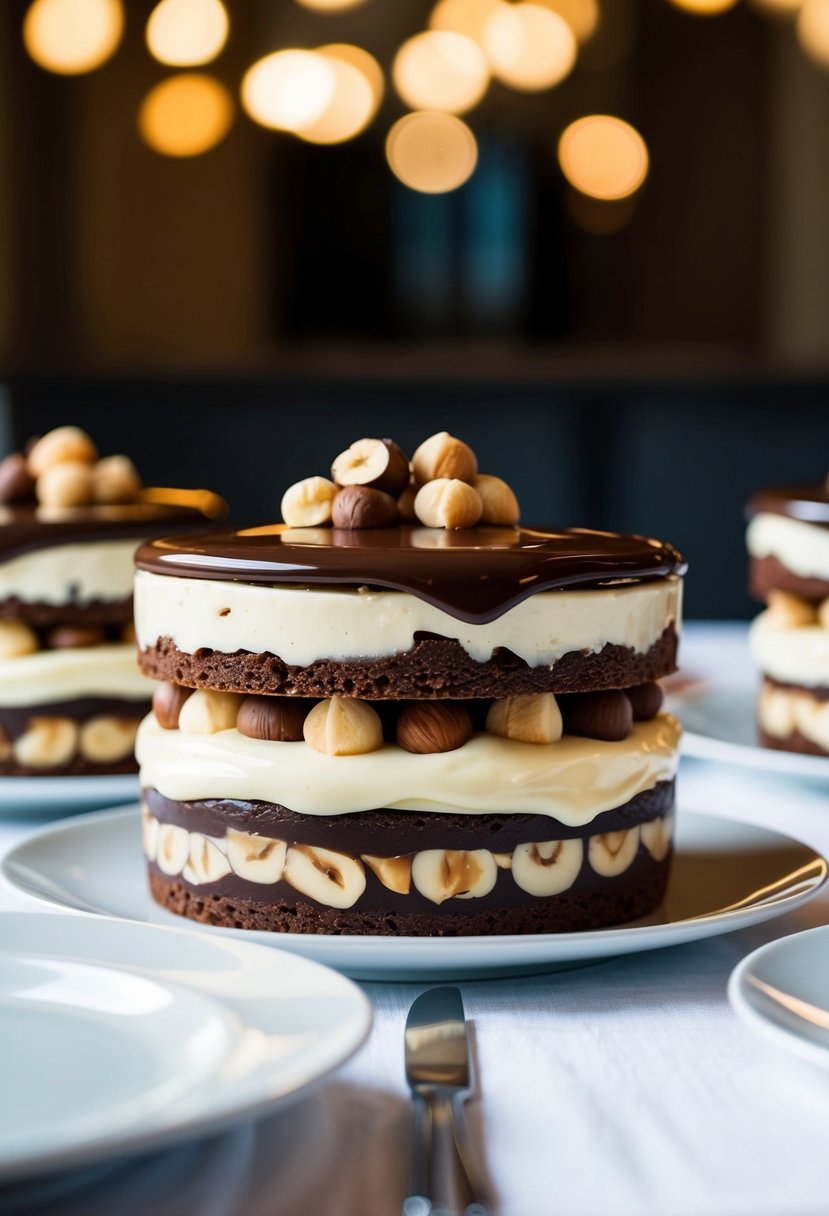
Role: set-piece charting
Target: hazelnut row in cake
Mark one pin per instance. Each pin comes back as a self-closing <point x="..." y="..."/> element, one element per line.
<point x="788" y="544"/>
<point x="71" y="694"/>
<point x="378" y="726"/>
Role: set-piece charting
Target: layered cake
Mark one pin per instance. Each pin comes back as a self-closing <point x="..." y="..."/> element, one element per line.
<point x="788" y="545"/>
<point x="71" y="694"/>
<point x="400" y="712"/>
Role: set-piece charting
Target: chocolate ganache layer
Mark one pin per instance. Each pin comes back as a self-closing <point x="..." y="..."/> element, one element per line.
<point x="474" y="575"/>
<point x="768" y="574"/>
<point x="808" y="504"/>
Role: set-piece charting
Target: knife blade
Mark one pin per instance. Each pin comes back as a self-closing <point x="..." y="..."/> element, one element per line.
<point x="438" y="1073"/>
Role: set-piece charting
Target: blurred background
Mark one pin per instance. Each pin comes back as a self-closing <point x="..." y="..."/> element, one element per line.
<point x="589" y="236"/>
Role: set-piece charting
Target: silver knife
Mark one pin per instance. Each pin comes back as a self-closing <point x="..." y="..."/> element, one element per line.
<point x="437" y="1070"/>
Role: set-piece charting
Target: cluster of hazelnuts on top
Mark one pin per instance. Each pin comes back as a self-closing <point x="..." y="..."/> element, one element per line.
<point x="374" y="485"/>
<point x="62" y="469"/>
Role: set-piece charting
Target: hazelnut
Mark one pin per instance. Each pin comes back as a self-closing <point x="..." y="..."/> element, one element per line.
<point x="279" y="719"/>
<point x="527" y="718"/>
<point x="107" y="739"/>
<point x="448" y="503"/>
<point x="342" y="727"/>
<point x="334" y="880"/>
<point x="378" y="463"/>
<point x="207" y="712"/>
<point x="823" y="614"/>
<point x="255" y="858"/>
<point x="46" y="743"/>
<point x="308" y="502"/>
<point x="405" y="504"/>
<point x="547" y="867"/>
<point x="16" y="639"/>
<point x="443" y="455"/>
<point x="73" y="637"/>
<point x="115" y="479"/>
<point x="500" y="504"/>
<point x="645" y="701"/>
<point x="433" y="726"/>
<point x="788" y="611"/>
<point x="167" y="702"/>
<point x="65" y="485"/>
<point x="65" y="443"/>
<point x="16" y="482"/>
<point x="597" y="715"/>
<point x="441" y="874"/>
<point x="395" y="873"/>
<point x="172" y="848"/>
<point x="363" y="507"/>
<point x="207" y="861"/>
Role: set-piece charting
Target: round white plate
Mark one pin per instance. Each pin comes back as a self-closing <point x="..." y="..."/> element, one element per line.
<point x="65" y="795"/>
<point x="719" y="724"/>
<point x="725" y="876"/>
<point x="781" y="992"/>
<point x="119" y="1037"/>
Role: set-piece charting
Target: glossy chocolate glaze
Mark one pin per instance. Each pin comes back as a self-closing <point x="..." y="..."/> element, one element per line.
<point x="473" y="574"/>
<point x="159" y="511"/>
<point x="809" y="504"/>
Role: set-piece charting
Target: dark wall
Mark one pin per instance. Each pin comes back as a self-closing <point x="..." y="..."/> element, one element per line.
<point x="676" y="461"/>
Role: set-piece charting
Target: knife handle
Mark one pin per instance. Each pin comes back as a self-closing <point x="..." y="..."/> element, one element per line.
<point x="418" y="1202"/>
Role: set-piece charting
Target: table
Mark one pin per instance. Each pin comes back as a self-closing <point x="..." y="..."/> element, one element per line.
<point x="626" y="1087"/>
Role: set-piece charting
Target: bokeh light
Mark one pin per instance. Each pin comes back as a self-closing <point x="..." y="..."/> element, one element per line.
<point x="440" y="70"/>
<point x="350" y="110"/>
<point x="469" y="17"/>
<point x="600" y="217"/>
<point x="330" y="6"/>
<point x="813" y="30"/>
<point x="581" y="15"/>
<point x="72" y="36"/>
<point x="603" y="156"/>
<point x="184" y="33"/>
<point x="363" y="62"/>
<point x="289" y="90"/>
<point x="430" y="152"/>
<point x="530" y="47"/>
<point x="705" y="8"/>
<point x="186" y="115"/>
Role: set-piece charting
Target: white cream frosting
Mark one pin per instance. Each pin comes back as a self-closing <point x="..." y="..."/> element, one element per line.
<point x="64" y="675"/>
<point x="790" y="655"/>
<point x="73" y="573"/>
<point x="572" y="780"/>
<point x="802" y="548"/>
<point x="301" y="625"/>
<point x="780" y="712"/>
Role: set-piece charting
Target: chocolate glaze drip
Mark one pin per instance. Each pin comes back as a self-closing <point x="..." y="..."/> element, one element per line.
<point x="809" y="504"/>
<point x="158" y="512"/>
<point x="473" y="574"/>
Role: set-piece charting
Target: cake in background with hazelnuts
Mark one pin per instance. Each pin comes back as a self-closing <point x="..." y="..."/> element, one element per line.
<point x="71" y="694"/>
<point x="788" y="545"/>
<point x="400" y="712"/>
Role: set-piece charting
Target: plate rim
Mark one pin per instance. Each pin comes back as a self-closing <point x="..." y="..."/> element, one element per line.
<point x="37" y="795"/>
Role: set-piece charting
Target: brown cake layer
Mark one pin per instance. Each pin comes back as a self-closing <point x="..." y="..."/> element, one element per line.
<point x="434" y="668"/>
<point x="769" y="574"/>
<point x="819" y="692"/>
<point x="77" y="767"/>
<point x="795" y="742"/>
<point x="93" y="612"/>
<point x="617" y="900"/>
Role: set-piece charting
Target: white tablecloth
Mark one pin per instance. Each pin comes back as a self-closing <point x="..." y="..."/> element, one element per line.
<point x="627" y="1087"/>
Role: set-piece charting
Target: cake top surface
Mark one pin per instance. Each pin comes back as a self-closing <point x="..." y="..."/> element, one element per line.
<point x="475" y="574"/>
<point x="809" y="504"/>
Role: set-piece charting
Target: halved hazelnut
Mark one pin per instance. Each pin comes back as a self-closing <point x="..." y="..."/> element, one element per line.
<point x="611" y="853"/>
<point x="441" y="874"/>
<point x="307" y="503"/>
<point x="378" y="463"/>
<point x="332" y="879"/>
<point x="207" y="712"/>
<point x="255" y="858"/>
<point x="526" y="718"/>
<point x="548" y="866"/>
<point x="343" y="727"/>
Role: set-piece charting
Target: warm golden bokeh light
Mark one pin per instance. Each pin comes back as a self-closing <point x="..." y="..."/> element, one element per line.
<point x="72" y="36"/>
<point x="813" y="30"/>
<point x="705" y="8"/>
<point x="186" y="115"/>
<point x="289" y="90"/>
<point x="432" y="153"/>
<point x="603" y="157"/>
<point x="184" y="33"/>
<point x="600" y="217"/>
<point x="350" y="110"/>
<point x="530" y="47"/>
<point x="469" y="17"/>
<point x="363" y="62"/>
<point x="330" y="6"/>
<point x="440" y="70"/>
<point x="581" y="15"/>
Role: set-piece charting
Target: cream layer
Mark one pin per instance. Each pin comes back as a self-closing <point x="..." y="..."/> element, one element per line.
<point x="782" y="711"/>
<point x="301" y="625"/>
<point x="790" y="655"/>
<point x="64" y="675"/>
<point x="71" y="574"/>
<point x="572" y="780"/>
<point x="800" y="547"/>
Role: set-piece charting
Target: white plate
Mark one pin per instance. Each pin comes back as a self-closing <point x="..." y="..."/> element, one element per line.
<point x="725" y="876"/>
<point x="126" y="1036"/>
<point x="781" y="992"/>
<point x="65" y="795"/>
<point x="719" y="724"/>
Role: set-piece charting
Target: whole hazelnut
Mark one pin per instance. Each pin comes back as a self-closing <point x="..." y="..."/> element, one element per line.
<point x="73" y="637"/>
<point x="378" y="463"/>
<point x="442" y="455"/>
<point x="500" y="504"/>
<point x="405" y="504"/>
<point x="167" y="702"/>
<point x="16" y="483"/>
<point x="65" y="485"/>
<point x="448" y="503"/>
<point x="343" y="727"/>
<point x="433" y="726"/>
<point x="645" y="701"/>
<point x="526" y="718"/>
<point x="604" y="715"/>
<point x="115" y="479"/>
<point x="65" y="443"/>
<point x="279" y="719"/>
<point x="207" y="712"/>
<point x="363" y="507"/>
